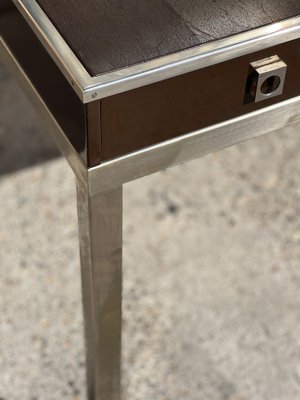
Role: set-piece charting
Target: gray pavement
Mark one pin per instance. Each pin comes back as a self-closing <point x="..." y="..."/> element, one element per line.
<point x="211" y="271"/>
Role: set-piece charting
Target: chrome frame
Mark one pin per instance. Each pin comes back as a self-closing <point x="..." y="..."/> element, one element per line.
<point x="90" y="88"/>
<point x="100" y="197"/>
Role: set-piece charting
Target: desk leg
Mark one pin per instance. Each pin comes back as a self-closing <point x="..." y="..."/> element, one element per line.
<point x="100" y="233"/>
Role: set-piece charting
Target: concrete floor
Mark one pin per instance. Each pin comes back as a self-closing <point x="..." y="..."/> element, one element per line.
<point x="211" y="271"/>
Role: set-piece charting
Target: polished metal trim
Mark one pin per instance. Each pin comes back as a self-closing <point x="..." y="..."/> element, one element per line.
<point x="63" y="143"/>
<point x="152" y="159"/>
<point x="58" y="49"/>
<point x="90" y="88"/>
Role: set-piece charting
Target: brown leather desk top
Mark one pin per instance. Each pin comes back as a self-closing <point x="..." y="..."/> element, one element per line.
<point x="107" y="35"/>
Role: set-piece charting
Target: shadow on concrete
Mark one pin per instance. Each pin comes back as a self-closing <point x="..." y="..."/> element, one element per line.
<point x="24" y="141"/>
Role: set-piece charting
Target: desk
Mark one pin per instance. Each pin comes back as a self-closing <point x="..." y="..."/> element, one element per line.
<point x="136" y="111"/>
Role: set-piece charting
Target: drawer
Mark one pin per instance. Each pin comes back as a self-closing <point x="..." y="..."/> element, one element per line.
<point x="164" y="110"/>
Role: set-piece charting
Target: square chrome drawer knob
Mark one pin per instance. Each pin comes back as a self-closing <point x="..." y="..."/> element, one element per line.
<point x="266" y="79"/>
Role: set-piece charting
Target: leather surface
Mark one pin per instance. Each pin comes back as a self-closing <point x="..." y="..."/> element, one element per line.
<point x="107" y="35"/>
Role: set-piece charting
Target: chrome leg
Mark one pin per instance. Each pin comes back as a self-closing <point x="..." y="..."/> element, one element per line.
<point x="100" y="232"/>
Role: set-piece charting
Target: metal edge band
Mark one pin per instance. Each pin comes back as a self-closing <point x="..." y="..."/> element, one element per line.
<point x="193" y="145"/>
<point x="58" y="49"/>
<point x="91" y="88"/>
<point x="53" y="127"/>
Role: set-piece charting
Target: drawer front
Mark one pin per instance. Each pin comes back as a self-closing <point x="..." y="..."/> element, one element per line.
<point x="164" y="110"/>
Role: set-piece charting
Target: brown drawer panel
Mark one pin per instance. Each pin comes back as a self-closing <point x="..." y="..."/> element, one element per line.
<point x="164" y="110"/>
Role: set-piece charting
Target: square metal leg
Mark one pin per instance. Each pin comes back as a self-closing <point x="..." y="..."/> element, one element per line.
<point x="100" y="232"/>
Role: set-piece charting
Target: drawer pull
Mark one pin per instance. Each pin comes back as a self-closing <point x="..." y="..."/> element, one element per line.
<point x="266" y="79"/>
